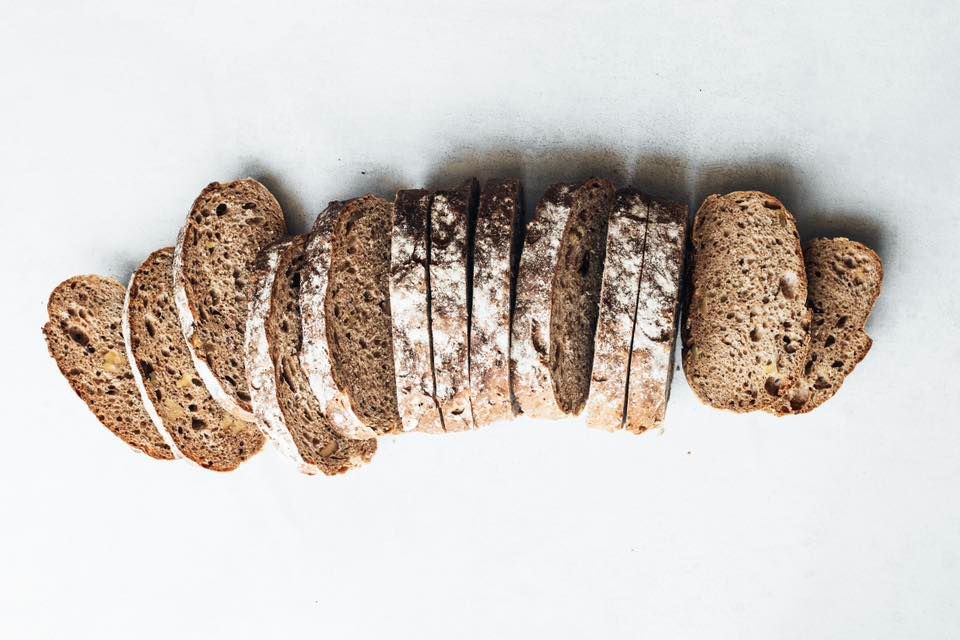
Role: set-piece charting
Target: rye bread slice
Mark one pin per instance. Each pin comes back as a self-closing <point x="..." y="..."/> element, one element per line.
<point x="746" y="328"/>
<point x="658" y="307"/>
<point x="228" y="225"/>
<point x="326" y="345"/>
<point x="496" y="252"/>
<point x="260" y="370"/>
<point x="452" y="216"/>
<point x="844" y="279"/>
<point x="622" y="270"/>
<point x="84" y="337"/>
<point x="307" y="422"/>
<point x="558" y="290"/>
<point x="410" y="312"/>
<point x="201" y="429"/>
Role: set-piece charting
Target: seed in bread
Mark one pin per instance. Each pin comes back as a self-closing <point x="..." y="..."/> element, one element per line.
<point x="844" y="279"/>
<point x="84" y="337"/>
<point x="746" y="328"/>
<point x="229" y="224"/>
<point x="201" y="429"/>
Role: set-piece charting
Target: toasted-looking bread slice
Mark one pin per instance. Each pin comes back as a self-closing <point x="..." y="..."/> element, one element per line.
<point x="318" y="443"/>
<point x="746" y="328"/>
<point x="229" y="224"/>
<point x="202" y="430"/>
<point x="844" y="279"/>
<point x="85" y="339"/>
<point x="496" y="252"/>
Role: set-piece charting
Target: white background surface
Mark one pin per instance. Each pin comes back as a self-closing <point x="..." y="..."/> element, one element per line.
<point x="842" y="524"/>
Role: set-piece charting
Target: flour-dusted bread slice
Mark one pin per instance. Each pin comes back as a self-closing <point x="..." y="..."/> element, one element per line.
<point x="201" y="429"/>
<point x="452" y="215"/>
<point x="558" y="290"/>
<point x="229" y="224"/>
<point x="347" y="350"/>
<point x="658" y="305"/>
<point x="496" y="252"/>
<point x="844" y="279"/>
<point x="85" y="339"/>
<point x="308" y="423"/>
<point x="623" y="264"/>
<point x="260" y="370"/>
<point x="410" y="312"/>
<point x="746" y="329"/>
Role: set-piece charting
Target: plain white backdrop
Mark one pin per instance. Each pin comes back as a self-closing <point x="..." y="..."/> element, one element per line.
<point x="841" y="524"/>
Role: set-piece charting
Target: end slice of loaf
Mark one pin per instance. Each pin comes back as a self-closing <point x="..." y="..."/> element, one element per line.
<point x="410" y="312"/>
<point x="260" y="369"/>
<point x="844" y="279"/>
<point x="623" y="264"/>
<point x="202" y="430"/>
<point x="452" y="215"/>
<point x="85" y="339"/>
<point x="746" y="328"/>
<point x="228" y="225"/>
<point x="307" y="421"/>
<point x="658" y="305"/>
<point x="321" y="348"/>
<point x="496" y="252"/>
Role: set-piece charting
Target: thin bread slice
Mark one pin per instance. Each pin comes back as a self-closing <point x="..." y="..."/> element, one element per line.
<point x="746" y="328"/>
<point x="452" y="216"/>
<point x="201" y="429"/>
<point x="658" y="306"/>
<point x="558" y="291"/>
<point x="307" y="422"/>
<point x="496" y="252"/>
<point x="622" y="270"/>
<point x="844" y="279"/>
<point x="228" y="225"/>
<point x="84" y="337"/>
<point x="410" y="312"/>
<point x="322" y="349"/>
<point x="259" y="364"/>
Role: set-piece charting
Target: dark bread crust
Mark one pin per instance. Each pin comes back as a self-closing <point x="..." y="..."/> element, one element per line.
<point x="84" y="337"/>
<point x="228" y="225"/>
<point x="201" y="429"/>
<point x="844" y="279"/>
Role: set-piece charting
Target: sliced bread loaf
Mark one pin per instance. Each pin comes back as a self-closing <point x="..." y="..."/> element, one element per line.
<point x="746" y="328"/>
<point x="618" y="307"/>
<point x="347" y="351"/>
<point x="410" y="312"/>
<point x="496" y="252"/>
<point x="84" y="337"/>
<point x="202" y="430"/>
<point x="319" y="444"/>
<point x="558" y="290"/>
<point x="844" y="279"/>
<point x="229" y="224"/>
<point x="658" y="306"/>
<point x="452" y="216"/>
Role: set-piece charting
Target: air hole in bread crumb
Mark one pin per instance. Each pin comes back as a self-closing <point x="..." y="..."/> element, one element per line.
<point x="842" y="322"/>
<point x="837" y="364"/>
<point x="755" y="334"/>
<point x="821" y="384"/>
<point x="830" y="341"/>
<point x="197" y="423"/>
<point x="221" y="209"/>
<point x="772" y="386"/>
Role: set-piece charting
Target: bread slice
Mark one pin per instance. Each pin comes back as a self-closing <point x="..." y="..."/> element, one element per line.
<point x="622" y="270"/>
<point x="658" y="306"/>
<point x="203" y="431"/>
<point x="229" y="224"/>
<point x="259" y="364"/>
<point x="347" y="351"/>
<point x="746" y="330"/>
<point x="558" y="290"/>
<point x="308" y="423"/>
<point x="844" y="279"/>
<point x="410" y="312"/>
<point x="452" y="216"/>
<point x="85" y="339"/>
<point x="496" y="252"/>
